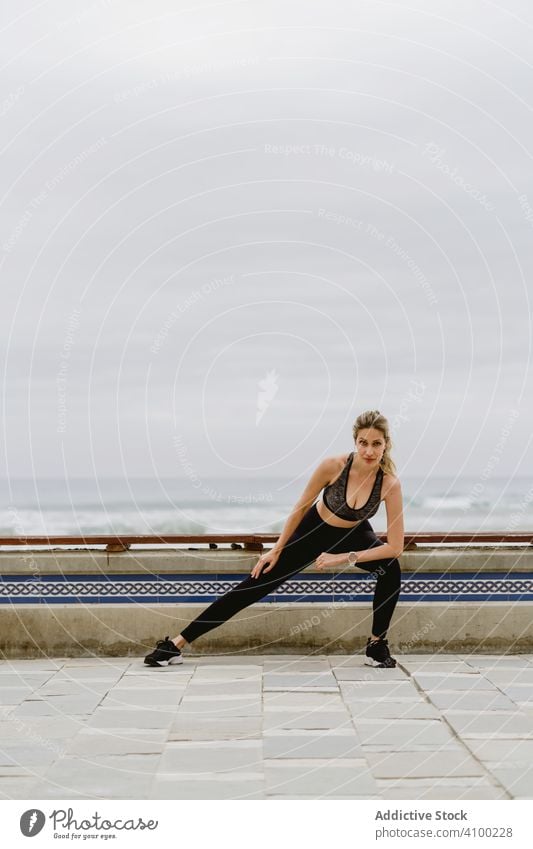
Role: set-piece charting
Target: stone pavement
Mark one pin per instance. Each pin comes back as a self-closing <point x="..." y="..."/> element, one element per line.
<point x="267" y="727"/>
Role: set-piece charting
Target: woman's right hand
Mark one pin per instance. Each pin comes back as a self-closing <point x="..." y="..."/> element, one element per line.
<point x="270" y="558"/>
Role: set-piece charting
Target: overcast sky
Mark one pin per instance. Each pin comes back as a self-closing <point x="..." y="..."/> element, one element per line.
<point x="228" y="228"/>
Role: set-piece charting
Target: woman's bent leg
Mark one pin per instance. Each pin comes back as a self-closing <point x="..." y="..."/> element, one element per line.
<point x="388" y="573"/>
<point x="311" y="538"/>
<point x="386" y="593"/>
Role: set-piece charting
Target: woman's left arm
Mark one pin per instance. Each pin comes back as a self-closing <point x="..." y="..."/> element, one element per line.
<point x="395" y="530"/>
<point x="395" y="535"/>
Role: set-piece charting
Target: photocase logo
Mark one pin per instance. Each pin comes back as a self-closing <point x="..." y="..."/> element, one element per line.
<point x="269" y="388"/>
<point x="32" y="822"/>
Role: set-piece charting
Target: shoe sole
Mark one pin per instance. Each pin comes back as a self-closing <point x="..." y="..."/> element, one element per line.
<point x="174" y="661"/>
<point x="369" y="661"/>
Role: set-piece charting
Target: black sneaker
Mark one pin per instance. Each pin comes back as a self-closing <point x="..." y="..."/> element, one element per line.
<point x="378" y="654"/>
<point x="165" y="652"/>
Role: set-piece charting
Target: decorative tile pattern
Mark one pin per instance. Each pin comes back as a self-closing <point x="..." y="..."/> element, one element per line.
<point x="99" y="589"/>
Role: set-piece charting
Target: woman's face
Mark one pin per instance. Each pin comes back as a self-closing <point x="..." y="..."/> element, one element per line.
<point x="370" y="444"/>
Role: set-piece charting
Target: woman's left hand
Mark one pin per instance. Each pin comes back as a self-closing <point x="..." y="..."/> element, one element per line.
<point x="324" y="560"/>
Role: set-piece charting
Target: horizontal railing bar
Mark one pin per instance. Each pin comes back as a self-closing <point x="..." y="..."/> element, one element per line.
<point x="254" y="539"/>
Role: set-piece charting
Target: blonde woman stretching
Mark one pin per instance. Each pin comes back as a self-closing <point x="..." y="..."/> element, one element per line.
<point x="334" y="531"/>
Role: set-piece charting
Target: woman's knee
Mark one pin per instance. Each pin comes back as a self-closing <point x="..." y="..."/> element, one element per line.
<point x="390" y="567"/>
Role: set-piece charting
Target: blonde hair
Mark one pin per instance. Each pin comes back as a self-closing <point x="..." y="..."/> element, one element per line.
<point x="373" y="418"/>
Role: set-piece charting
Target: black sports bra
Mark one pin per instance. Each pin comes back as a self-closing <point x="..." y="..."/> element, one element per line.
<point x="334" y="496"/>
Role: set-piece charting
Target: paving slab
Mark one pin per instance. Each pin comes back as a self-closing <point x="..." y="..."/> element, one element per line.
<point x="368" y="673"/>
<point x="411" y="789"/>
<point x="477" y="700"/>
<point x="497" y="661"/>
<point x="389" y="732"/>
<point x="221" y="756"/>
<point x="514" y="753"/>
<point x="89" y="673"/>
<point x="504" y="724"/>
<point x="212" y="787"/>
<point x="408" y="709"/>
<point x="327" y="744"/>
<point x="191" y="727"/>
<point x="33" y="708"/>
<point x="99" y="662"/>
<point x="95" y="741"/>
<point x="41" y="788"/>
<point x="454" y="681"/>
<point x="347" y="660"/>
<point x="41" y="728"/>
<point x="16" y="787"/>
<point x="67" y="687"/>
<point x="304" y="680"/>
<point x="112" y="777"/>
<point x="131" y="718"/>
<point x="517" y="782"/>
<point x="452" y="745"/>
<point x="438" y="668"/>
<point x="520" y="694"/>
<point x="242" y="687"/>
<point x="376" y="690"/>
<point x="296" y="666"/>
<point x="293" y="700"/>
<point x="73" y="705"/>
<point x="228" y="672"/>
<point x="237" y="658"/>
<point x="437" y="657"/>
<point x="14" y="696"/>
<point x="418" y="764"/>
<point x="319" y="778"/>
<point x="310" y="720"/>
<point x="32" y="666"/>
<point x="221" y="706"/>
<point x="30" y="680"/>
<point x="168" y="697"/>
<point x="297" y="797"/>
<point x="146" y="681"/>
<point x="18" y="771"/>
<point x="509" y="675"/>
<point x="26" y="754"/>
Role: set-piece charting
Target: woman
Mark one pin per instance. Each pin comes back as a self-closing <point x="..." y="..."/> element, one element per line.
<point x="334" y="532"/>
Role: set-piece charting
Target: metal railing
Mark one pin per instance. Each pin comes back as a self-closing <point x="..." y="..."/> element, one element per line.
<point x="252" y="542"/>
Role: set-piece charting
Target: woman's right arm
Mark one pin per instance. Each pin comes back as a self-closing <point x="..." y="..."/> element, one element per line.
<point x="318" y="480"/>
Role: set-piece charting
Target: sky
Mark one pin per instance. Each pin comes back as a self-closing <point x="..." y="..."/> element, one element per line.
<point x="228" y="228"/>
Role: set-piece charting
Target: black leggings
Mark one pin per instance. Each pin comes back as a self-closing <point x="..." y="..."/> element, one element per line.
<point x="311" y="537"/>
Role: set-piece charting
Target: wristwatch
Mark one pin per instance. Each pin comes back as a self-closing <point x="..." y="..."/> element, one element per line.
<point x="353" y="557"/>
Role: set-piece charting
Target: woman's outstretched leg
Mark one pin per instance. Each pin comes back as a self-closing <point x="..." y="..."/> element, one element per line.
<point x="307" y="541"/>
<point x="310" y="539"/>
<point x="244" y="594"/>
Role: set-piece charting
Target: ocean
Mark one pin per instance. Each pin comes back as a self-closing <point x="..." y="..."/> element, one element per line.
<point x="167" y="505"/>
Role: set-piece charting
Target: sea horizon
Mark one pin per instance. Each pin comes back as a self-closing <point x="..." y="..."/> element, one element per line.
<point x="144" y="505"/>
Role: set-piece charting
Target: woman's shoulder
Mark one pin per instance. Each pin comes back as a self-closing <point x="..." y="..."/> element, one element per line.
<point x="339" y="460"/>
<point x="390" y="484"/>
<point x="333" y="465"/>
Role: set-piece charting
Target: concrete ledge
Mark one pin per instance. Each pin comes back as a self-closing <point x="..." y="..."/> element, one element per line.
<point x="131" y="630"/>
<point x="96" y="561"/>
